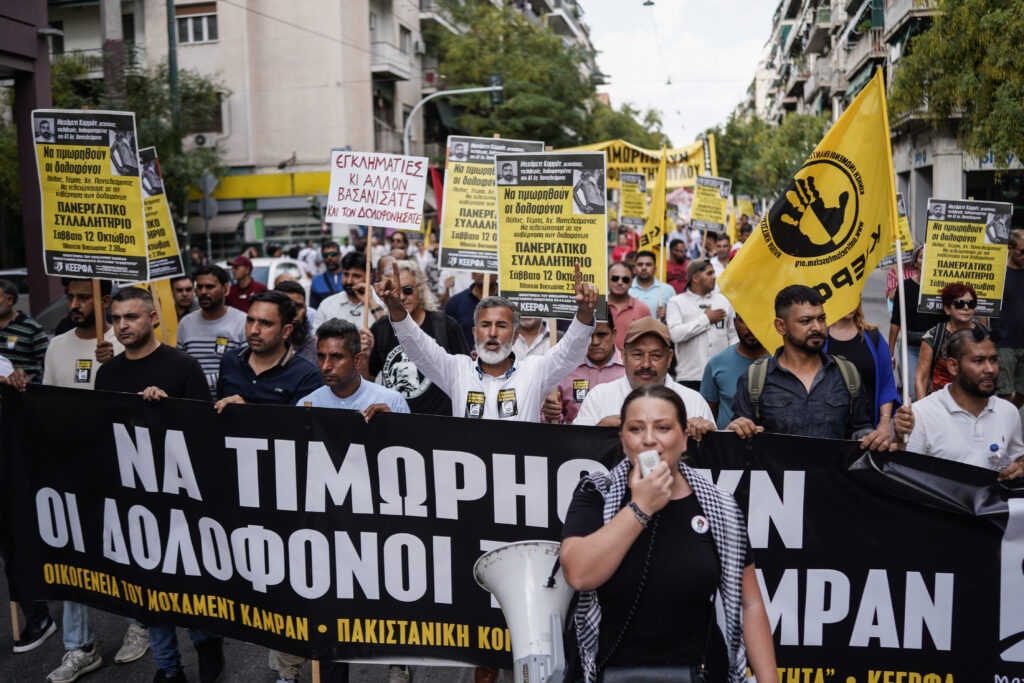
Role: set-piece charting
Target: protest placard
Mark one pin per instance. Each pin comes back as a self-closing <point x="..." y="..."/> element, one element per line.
<point x="551" y="215"/>
<point x="633" y="199"/>
<point x="966" y="242"/>
<point x="93" y="220"/>
<point x="683" y="164"/>
<point x="375" y="189"/>
<point x="468" y="229"/>
<point x="164" y="255"/>
<point x="745" y="207"/>
<point x="906" y="241"/>
<point x="710" y="203"/>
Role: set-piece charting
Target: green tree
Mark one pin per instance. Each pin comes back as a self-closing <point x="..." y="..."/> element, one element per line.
<point x="147" y="94"/>
<point x="627" y="123"/>
<point x="760" y="158"/>
<point x="966" y="73"/>
<point x="546" y="95"/>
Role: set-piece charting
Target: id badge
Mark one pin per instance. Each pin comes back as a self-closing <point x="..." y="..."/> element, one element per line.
<point x="12" y="341"/>
<point x="475" y="404"/>
<point x="222" y="345"/>
<point x="83" y="371"/>
<point x="507" y="406"/>
<point x="579" y="389"/>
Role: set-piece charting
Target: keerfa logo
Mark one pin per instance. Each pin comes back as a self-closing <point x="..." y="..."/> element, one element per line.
<point x="817" y="214"/>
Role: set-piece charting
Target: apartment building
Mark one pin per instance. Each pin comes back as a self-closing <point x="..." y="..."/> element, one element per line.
<point x="820" y="55"/>
<point x="304" y="77"/>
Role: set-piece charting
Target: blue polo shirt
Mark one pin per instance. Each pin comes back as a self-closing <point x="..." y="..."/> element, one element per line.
<point x="283" y="384"/>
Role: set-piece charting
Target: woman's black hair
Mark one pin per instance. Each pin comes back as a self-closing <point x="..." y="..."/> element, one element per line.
<point x="655" y="391"/>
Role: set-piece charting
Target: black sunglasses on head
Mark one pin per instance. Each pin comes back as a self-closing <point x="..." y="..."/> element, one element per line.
<point x="961" y="304"/>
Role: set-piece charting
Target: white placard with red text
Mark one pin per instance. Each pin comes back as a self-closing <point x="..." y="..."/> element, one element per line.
<point x="380" y="190"/>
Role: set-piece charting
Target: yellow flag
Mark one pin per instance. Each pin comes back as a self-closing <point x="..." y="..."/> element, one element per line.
<point x="654" y="228"/>
<point x="829" y="228"/>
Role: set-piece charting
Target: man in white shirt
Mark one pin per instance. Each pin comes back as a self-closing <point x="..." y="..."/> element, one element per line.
<point x="648" y="353"/>
<point x="73" y="358"/>
<point x="700" y="322"/>
<point x="965" y="421"/>
<point x="534" y="338"/>
<point x="722" y="250"/>
<point x="497" y="385"/>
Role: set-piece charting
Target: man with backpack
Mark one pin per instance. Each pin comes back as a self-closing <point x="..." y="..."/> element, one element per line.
<point x="803" y="391"/>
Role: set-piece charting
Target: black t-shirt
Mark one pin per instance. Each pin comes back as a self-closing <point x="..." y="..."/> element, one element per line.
<point x="674" y="612"/>
<point x="916" y="322"/>
<point x="174" y="371"/>
<point x="397" y="372"/>
<point x="857" y="352"/>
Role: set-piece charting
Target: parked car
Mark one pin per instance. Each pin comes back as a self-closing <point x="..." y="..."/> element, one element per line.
<point x="266" y="270"/>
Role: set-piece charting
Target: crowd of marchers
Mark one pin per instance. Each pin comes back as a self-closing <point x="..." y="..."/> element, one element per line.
<point x="670" y="361"/>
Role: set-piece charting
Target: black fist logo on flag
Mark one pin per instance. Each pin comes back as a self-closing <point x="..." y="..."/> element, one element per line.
<point x="817" y="213"/>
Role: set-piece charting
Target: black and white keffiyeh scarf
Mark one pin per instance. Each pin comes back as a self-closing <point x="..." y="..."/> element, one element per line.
<point x="729" y="533"/>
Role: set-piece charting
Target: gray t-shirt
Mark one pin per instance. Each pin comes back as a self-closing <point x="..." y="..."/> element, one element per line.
<point x="208" y="340"/>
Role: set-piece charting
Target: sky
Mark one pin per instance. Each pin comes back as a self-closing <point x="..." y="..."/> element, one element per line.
<point x="710" y="50"/>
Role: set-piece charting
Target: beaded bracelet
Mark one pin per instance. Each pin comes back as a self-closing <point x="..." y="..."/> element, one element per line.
<point x="641" y="517"/>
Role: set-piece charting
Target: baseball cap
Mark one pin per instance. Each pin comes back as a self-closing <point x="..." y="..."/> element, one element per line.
<point x="647" y="325"/>
<point x="242" y="260"/>
<point x="695" y="266"/>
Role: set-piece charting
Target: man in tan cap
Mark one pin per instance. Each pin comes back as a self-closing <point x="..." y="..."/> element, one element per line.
<point x="648" y="353"/>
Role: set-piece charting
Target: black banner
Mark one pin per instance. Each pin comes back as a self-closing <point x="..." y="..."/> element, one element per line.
<point x="313" y="532"/>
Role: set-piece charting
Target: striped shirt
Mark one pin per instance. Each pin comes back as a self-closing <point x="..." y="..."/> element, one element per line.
<point x="209" y="340"/>
<point x="24" y="342"/>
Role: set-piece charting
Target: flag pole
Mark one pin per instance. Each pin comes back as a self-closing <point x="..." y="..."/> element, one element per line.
<point x="894" y="223"/>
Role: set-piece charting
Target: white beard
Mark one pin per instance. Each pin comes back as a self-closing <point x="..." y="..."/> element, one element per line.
<point x="493" y="357"/>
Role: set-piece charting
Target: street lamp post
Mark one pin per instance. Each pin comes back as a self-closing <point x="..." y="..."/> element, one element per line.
<point x="442" y="93"/>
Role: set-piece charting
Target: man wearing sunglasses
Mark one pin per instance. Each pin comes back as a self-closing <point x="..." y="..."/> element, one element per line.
<point x="347" y="304"/>
<point x="328" y="282"/>
<point x="623" y="308"/>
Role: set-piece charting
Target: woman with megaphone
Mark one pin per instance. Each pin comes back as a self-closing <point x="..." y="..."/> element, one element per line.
<point x="647" y="547"/>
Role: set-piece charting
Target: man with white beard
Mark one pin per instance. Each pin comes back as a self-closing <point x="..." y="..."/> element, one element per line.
<point x="497" y="385"/>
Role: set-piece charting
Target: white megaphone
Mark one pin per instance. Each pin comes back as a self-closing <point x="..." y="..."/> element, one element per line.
<point x="534" y="600"/>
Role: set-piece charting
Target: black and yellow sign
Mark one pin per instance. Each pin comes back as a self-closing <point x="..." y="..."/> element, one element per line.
<point x="632" y="199"/>
<point x="710" y="203"/>
<point x="551" y="216"/>
<point x="684" y="164"/>
<point x="164" y="255"/>
<point x="966" y="242"/>
<point x="906" y="241"/>
<point x="93" y="219"/>
<point x="829" y="228"/>
<point x="468" y="237"/>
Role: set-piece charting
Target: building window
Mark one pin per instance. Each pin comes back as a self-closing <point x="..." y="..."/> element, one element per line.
<point x="197" y="23"/>
<point x="404" y="40"/>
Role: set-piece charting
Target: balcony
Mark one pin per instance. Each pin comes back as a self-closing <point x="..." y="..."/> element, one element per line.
<point x="899" y="12"/>
<point x="432" y="12"/>
<point x="869" y="47"/>
<point x="389" y="63"/>
<point x="387" y="140"/>
<point x="821" y="28"/>
<point x="91" y="61"/>
<point x="798" y="74"/>
<point x="563" y="19"/>
<point x="821" y="74"/>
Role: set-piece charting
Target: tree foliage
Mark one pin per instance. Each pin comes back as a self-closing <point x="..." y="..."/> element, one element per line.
<point x="547" y="97"/>
<point x="148" y="95"/>
<point x="626" y="123"/>
<point x="968" y="67"/>
<point x="761" y="158"/>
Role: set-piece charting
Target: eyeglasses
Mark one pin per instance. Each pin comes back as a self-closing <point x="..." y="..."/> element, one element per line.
<point x="620" y="278"/>
<point x="331" y="254"/>
<point x="407" y="291"/>
<point x="961" y="304"/>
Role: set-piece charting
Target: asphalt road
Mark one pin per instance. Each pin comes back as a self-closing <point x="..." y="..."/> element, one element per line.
<point x="247" y="663"/>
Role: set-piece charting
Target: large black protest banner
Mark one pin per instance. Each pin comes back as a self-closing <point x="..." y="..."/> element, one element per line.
<point x="313" y="532"/>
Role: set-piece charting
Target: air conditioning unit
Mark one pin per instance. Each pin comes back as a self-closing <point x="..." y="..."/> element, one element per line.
<point x="419" y="49"/>
<point x="204" y="140"/>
